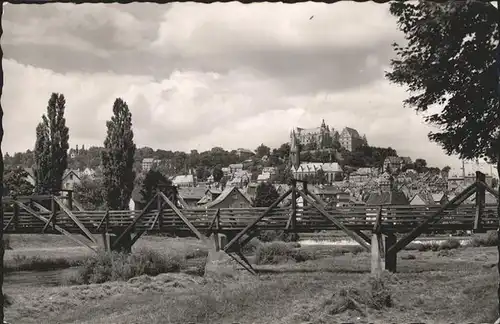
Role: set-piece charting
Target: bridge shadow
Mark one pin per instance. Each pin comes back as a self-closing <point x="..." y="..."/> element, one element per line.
<point x="291" y="270"/>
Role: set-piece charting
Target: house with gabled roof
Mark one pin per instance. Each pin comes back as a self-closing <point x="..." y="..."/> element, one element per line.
<point x="70" y="179"/>
<point x="231" y="197"/>
<point x="422" y="198"/>
<point x="191" y="195"/>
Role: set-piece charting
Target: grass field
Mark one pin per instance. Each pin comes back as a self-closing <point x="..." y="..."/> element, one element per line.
<point x="452" y="285"/>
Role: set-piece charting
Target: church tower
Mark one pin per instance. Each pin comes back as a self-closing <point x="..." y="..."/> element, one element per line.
<point x="294" y="151"/>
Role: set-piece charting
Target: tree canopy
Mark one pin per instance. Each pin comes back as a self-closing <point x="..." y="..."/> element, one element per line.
<point x="16" y="183"/>
<point x="448" y="61"/>
<point x="153" y="181"/>
<point x="89" y="193"/>
<point x="266" y="194"/>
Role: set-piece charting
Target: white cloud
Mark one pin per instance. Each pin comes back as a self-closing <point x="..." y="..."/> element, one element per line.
<point x="196" y="29"/>
<point x="201" y="110"/>
<point x="210" y="98"/>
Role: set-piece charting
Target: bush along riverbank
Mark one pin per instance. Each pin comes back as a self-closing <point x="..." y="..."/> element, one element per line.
<point x="113" y="266"/>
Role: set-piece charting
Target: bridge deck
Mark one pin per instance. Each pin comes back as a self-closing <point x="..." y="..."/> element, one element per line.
<point x="394" y="218"/>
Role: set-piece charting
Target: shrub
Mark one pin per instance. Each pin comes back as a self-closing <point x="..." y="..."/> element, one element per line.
<point x="372" y="293"/>
<point x="432" y="246"/>
<point x="251" y="246"/>
<point x="113" y="266"/>
<point x="490" y="239"/>
<point x="450" y="244"/>
<point x="277" y="235"/>
<point x="280" y="252"/>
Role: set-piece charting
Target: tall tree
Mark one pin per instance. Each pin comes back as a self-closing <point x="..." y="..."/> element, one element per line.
<point x="217" y="173"/>
<point x="2" y="246"/>
<point x="449" y="61"/>
<point x="265" y="195"/>
<point x="51" y="147"/>
<point x="118" y="158"/>
<point x="153" y="180"/>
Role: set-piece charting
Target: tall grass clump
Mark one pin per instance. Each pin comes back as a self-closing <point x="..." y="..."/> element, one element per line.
<point x="38" y="263"/>
<point x="277" y="235"/>
<point x="371" y="293"/>
<point x="114" y="266"/>
<point x="281" y="252"/>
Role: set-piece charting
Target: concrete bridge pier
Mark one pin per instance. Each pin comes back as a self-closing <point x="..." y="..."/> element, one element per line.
<point x="219" y="264"/>
<point x="380" y="259"/>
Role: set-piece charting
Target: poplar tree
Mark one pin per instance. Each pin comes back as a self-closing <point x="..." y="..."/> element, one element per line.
<point x="118" y="158"/>
<point x="51" y="147"/>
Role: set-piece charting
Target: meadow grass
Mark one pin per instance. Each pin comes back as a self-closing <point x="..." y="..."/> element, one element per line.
<point x="435" y="289"/>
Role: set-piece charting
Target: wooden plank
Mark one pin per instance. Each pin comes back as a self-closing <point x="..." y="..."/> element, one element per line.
<point x="433" y="218"/>
<point x="157" y="216"/>
<point x="56" y="227"/>
<point x="480" y="200"/>
<point x="253" y="223"/>
<point x="350" y="233"/>
<point x="10" y="199"/>
<point x="40" y="207"/>
<point x="490" y="190"/>
<point x="181" y="216"/>
<point x="105" y="218"/>
<point x="76" y="220"/>
<point x="130" y="227"/>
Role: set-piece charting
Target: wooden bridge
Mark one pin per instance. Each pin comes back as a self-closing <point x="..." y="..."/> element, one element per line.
<point x="365" y="224"/>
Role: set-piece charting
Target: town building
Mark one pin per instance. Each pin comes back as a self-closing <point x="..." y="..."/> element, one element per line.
<point x="332" y="171"/>
<point x="148" y="163"/>
<point x="70" y="179"/>
<point x="318" y="136"/>
<point x="351" y="140"/>
<point x="184" y="180"/>
<point x="395" y="163"/>
<point x="231" y="197"/>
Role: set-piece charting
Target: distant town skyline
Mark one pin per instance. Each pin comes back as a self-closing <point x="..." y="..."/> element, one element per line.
<point x="186" y="90"/>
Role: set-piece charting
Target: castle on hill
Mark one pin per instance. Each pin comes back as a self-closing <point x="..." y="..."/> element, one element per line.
<point x="323" y="137"/>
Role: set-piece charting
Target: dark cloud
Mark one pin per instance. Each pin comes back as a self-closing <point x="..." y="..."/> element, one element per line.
<point x="300" y="70"/>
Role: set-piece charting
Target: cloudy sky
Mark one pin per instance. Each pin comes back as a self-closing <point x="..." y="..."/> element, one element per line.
<point x="197" y="76"/>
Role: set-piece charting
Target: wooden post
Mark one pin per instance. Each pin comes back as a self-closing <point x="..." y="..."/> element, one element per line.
<point x="70" y="199"/>
<point x="159" y="207"/>
<point x="480" y="202"/>
<point x="294" y="205"/>
<point x="391" y="257"/>
<point x="304" y="202"/>
<point x="16" y="216"/>
<point x="53" y="208"/>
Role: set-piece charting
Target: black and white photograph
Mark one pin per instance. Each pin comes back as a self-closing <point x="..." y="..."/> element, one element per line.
<point x="250" y="163"/>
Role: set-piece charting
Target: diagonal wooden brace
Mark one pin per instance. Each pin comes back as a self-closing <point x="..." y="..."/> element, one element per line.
<point x="416" y="232"/>
<point x="341" y="226"/>
<point x="56" y="227"/>
<point x="181" y="216"/>
<point x="258" y="219"/>
<point x="104" y="220"/>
